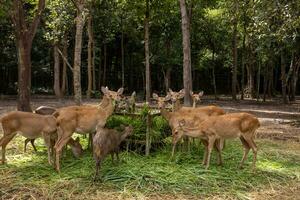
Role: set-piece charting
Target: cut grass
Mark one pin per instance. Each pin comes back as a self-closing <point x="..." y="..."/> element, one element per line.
<point x="27" y="175"/>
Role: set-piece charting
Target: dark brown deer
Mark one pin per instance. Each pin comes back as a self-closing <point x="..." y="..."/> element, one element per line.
<point x="107" y="141"/>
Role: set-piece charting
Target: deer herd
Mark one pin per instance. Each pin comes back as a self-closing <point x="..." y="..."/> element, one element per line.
<point x="56" y="126"/>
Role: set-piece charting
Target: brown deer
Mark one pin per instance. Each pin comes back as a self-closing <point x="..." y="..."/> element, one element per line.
<point x="29" y="125"/>
<point x="174" y="118"/>
<point x="233" y="125"/>
<point x="107" y="141"/>
<point x="42" y="110"/>
<point x="175" y="98"/>
<point x="83" y="119"/>
<point x="196" y="97"/>
<point x="76" y="148"/>
<point x="128" y="102"/>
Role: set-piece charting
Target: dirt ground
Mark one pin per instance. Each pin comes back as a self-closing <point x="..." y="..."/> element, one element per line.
<point x="278" y="121"/>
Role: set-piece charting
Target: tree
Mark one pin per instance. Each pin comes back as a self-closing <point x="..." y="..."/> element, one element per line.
<point x="25" y="33"/>
<point x="234" y="51"/>
<point x="80" y="20"/>
<point x="147" y="53"/>
<point x="187" y="71"/>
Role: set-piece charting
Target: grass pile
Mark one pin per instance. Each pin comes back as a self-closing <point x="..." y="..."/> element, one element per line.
<point x="28" y="176"/>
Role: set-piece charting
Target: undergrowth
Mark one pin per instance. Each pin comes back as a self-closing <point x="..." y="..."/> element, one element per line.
<point x="28" y="176"/>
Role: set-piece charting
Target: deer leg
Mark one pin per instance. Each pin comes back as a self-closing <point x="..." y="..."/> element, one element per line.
<point x="117" y="154"/>
<point x="59" y="146"/>
<point x="218" y="147"/>
<point x="98" y="162"/>
<point x="3" y="142"/>
<point x="254" y="150"/>
<point x="205" y="143"/>
<point x="211" y="142"/>
<point x="173" y="149"/>
<point x="32" y="143"/>
<point x="25" y="144"/>
<point x="112" y="157"/>
<point x="246" y="151"/>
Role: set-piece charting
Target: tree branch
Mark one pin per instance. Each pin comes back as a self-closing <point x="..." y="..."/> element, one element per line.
<point x="65" y="59"/>
<point x="36" y="20"/>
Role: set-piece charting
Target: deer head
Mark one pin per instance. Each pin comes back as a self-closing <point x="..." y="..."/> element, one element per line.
<point x="161" y="101"/>
<point x="176" y="95"/>
<point x="116" y="96"/>
<point x="196" y="97"/>
<point x="178" y="131"/>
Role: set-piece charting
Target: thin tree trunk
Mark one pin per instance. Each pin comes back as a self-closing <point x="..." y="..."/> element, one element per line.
<point x="56" y="85"/>
<point x="213" y="74"/>
<point x="104" y="64"/>
<point x="167" y="79"/>
<point x="64" y="85"/>
<point x="122" y="54"/>
<point x="283" y="79"/>
<point x="90" y="56"/>
<point x="147" y="53"/>
<point x="258" y="78"/>
<point x="266" y="77"/>
<point x="187" y="72"/>
<point x="100" y="68"/>
<point x="234" y="53"/>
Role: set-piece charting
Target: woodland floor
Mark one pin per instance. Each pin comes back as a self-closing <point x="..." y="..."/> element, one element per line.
<point x="28" y="176"/>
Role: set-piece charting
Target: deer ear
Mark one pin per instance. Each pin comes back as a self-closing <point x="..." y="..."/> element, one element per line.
<point x="181" y="94"/>
<point x="133" y="94"/>
<point x="170" y="90"/>
<point x="120" y="91"/>
<point x="201" y="94"/>
<point x="155" y="96"/>
<point x="191" y="93"/>
<point x="181" y="122"/>
<point x="104" y="90"/>
<point x="168" y="97"/>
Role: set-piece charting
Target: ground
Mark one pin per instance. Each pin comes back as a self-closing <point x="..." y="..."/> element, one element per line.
<point x="28" y="176"/>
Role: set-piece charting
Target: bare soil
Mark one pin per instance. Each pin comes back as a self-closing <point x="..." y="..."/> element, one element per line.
<point x="278" y="121"/>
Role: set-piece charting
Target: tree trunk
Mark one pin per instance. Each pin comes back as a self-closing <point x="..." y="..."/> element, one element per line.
<point x="64" y="83"/>
<point x="187" y="72"/>
<point x="24" y="80"/>
<point x="213" y="74"/>
<point x="147" y="53"/>
<point x="283" y="79"/>
<point x="266" y="77"/>
<point x="77" y="53"/>
<point x="258" y="78"/>
<point x="25" y="32"/>
<point x="250" y="79"/>
<point x="104" y="64"/>
<point x="122" y="55"/>
<point x="90" y="55"/>
<point x="234" y="53"/>
<point x="168" y="79"/>
<point x="100" y="68"/>
<point x="56" y="85"/>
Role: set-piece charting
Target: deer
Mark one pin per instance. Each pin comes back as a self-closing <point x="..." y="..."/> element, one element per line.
<point x="76" y="148"/>
<point x="174" y="118"/>
<point x="29" y="125"/>
<point x="175" y="98"/>
<point x="196" y="97"/>
<point x="107" y="141"/>
<point x="128" y="102"/>
<point x="227" y="126"/>
<point x="42" y="110"/>
<point x="83" y="119"/>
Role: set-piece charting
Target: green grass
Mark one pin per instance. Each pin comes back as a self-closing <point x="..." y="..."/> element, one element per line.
<point x="28" y="175"/>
